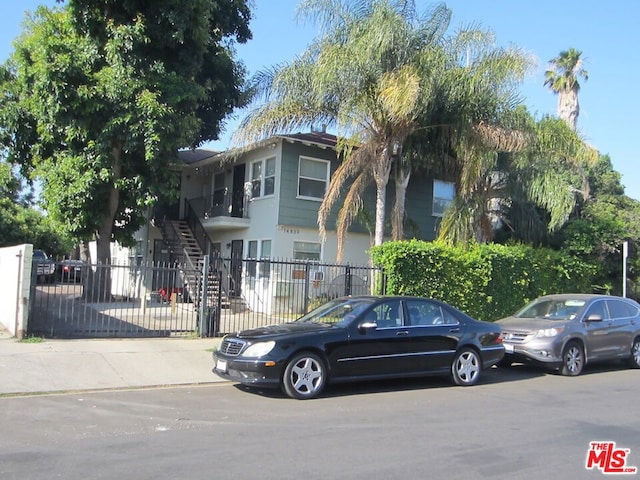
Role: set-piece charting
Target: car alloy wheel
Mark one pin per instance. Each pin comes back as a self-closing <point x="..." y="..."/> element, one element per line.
<point x="304" y="376"/>
<point x="572" y="360"/>
<point x="466" y="367"/>
<point x="634" y="361"/>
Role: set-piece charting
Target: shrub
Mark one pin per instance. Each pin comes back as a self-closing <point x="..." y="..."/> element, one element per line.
<point x="486" y="281"/>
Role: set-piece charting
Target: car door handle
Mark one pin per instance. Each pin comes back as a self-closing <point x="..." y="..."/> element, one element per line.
<point x="402" y="333"/>
<point x="454" y="330"/>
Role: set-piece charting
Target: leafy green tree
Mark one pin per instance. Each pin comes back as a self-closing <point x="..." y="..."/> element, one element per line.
<point x="601" y="225"/>
<point x="562" y="78"/>
<point x="9" y="184"/>
<point x="99" y="96"/>
<point x="21" y="223"/>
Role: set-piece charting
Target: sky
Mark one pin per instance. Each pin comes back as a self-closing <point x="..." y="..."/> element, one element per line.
<point x="605" y="32"/>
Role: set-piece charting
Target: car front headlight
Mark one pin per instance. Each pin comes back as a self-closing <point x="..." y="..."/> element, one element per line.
<point x="549" y="332"/>
<point x="259" y="349"/>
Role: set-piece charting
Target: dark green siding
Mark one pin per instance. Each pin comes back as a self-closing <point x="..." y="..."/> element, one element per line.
<point x="296" y="211"/>
<point x="304" y="213"/>
<point x="418" y="205"/>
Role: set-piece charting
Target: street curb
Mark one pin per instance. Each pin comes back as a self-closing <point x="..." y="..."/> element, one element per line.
<point x="111" y="389"/>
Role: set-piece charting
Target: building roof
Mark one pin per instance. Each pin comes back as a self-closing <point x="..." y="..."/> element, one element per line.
<point x="320" y="139"/>
<point x="196" y="155"/>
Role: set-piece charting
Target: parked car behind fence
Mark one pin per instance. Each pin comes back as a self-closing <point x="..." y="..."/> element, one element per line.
<point x="45" y="267"/>
<point x="70" y="270"/>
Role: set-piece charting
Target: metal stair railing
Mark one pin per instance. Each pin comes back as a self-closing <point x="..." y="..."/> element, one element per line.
<point x="197" y="229"/>
<point x="193" y="279"/>
<point x="180" y="247"/>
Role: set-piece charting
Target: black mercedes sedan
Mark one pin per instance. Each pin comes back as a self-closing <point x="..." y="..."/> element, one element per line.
<point x="361" y="338"/>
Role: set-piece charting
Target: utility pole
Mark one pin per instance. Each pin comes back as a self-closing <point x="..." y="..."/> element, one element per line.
<point x="625" y="254"/>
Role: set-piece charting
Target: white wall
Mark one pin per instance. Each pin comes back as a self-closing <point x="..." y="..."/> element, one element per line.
<point x="15" y="285"/>
<point x="356" y="248"/>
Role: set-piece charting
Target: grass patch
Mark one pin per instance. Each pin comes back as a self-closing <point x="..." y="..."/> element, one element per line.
<point x="31" y="339"/>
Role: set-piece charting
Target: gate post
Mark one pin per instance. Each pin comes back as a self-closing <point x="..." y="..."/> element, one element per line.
<point x="305" y="300"/>
<point x="347" y="280"/>
<point x="203" y="316"/>
<point x="216" y="310"/>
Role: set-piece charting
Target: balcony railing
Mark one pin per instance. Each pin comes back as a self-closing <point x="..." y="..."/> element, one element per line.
<point x="221" y="205"/>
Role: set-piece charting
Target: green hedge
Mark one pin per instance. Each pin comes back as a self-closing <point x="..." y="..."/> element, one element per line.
<point x="486" y="281"/>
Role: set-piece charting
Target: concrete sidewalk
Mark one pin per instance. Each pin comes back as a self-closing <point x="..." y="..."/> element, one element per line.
<point x="79" y="365"/>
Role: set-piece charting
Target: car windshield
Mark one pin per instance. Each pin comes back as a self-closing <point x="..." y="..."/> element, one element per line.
<point x="553" y="309"/>
<point x="39" y="254"/>
<point x="337" y="312"/>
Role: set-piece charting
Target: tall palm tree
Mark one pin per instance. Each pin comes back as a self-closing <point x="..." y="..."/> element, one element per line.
<point x="362" y="76"/>
<point x="460" y="130"/>
<point x="562" y="79"/>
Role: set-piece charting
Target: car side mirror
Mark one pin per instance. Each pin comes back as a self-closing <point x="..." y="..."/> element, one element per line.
<point x="367" y="326"/>
<point x="594" y="317"/>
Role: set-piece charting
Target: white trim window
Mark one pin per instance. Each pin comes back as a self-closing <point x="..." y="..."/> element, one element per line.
<point x="307" y="251"/>
<point x="443" y="195"/>
<point x="259" y="253"/>
<point x="313" y="178"/>
<point x="263" y="178"/>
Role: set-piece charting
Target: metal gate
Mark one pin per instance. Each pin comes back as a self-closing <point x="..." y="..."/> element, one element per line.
<point x="114" y="301"/>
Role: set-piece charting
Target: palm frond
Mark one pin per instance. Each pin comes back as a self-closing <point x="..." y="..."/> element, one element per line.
<point x="351" y="167"/>
<point x="349" y="212"/>
<point x="456" y="226"/>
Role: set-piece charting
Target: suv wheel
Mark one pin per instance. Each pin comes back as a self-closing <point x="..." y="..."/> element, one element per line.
<point x="572" y="359"/>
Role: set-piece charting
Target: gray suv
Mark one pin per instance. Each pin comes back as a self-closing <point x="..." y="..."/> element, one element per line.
<point x="567" y="331"/>
<point x="45" y="267"/>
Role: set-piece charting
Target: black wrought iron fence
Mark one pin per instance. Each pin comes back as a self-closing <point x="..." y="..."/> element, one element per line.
<point x="267" y="291"/>
<point x="223" y="295"/>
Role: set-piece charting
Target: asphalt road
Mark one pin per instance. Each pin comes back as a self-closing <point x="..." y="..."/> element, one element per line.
<point x="515" y="424"/>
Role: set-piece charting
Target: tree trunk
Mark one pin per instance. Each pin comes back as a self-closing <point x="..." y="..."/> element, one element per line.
<point x="85" y="253"/>
<point x="568" y="108"/>
<point x="381" y="175"/>
<point x="403" y="174"/>
<point x="100" y="284"/>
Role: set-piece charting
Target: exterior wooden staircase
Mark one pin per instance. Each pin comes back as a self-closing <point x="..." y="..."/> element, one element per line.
<point x="186" y="251"/>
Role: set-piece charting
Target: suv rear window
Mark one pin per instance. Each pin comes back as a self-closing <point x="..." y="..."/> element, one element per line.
<point x="619" y="309"/>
